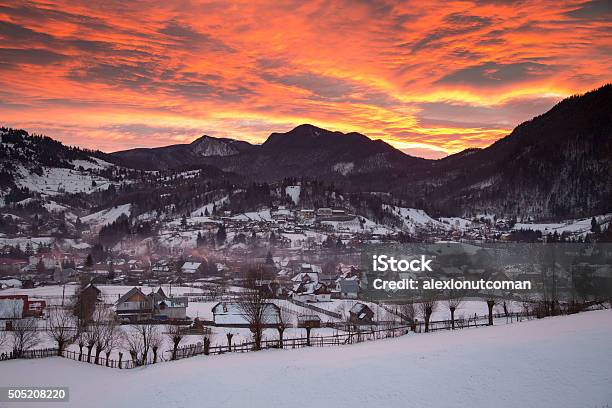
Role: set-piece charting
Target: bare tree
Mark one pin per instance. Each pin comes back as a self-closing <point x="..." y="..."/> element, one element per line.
<point x="406" y="311"/>
<point x="216" y="291"/>
<point x="114" y="340"/>
<point x="134" y="346"/>
<point x="156" y="341"/>
<point x="62" y="328"/>
<point x="140" y="340"/>
<point x="491" y="300"/>
<point x="207" y="337"/>
<point x="2" y="338"/>
<point x="24" y="335"/>
<point x="254" y="306"/>
<point x="90" y="337"/>
<point x="282" y="324"/>
<point x="453" y="301"/>
<point x="229" y="334"/>
<point x="175" y="336"/>
<point x="426" y="306"/>
<point x="106" y="328"/>
<point x="81" y="343"/>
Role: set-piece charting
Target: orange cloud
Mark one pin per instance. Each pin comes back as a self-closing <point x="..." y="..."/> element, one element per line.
<point x="431" y="79"/>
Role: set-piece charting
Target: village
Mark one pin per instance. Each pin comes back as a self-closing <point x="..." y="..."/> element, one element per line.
<point x="128" y="288"/>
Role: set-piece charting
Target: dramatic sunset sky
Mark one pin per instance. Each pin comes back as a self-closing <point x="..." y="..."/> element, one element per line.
<point x="431" y="79"/>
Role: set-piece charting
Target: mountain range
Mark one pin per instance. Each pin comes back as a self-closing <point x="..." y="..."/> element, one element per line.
<point x="556" y="165"/>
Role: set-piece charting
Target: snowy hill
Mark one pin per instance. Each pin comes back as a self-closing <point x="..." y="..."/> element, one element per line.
<point x="551" y="363"/>
<point x="107" y="216"/>
<point x="39" y="164"/>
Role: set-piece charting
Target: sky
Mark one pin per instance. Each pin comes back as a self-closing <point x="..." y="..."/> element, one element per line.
<point x="429" y="78"/>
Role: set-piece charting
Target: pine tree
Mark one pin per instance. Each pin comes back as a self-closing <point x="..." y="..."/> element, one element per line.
<point x="221" y="235"/>
<point x="595" y="228"/>
<point x="184" y="221"/>
<point x="89" y="262"/>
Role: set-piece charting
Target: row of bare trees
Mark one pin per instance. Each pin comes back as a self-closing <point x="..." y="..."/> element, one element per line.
<point x="425" y="306"/>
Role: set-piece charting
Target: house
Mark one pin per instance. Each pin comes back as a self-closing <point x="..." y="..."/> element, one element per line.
<point x="306" y="277"/>
<point x="172" y="308"/>
<point x="134" y="306"/>
<point x="162" y="267"/>
<point x="87" y="299"/>
<point x="361" y="314"/>
<point x="91" y="291"/>
<point x="231" y="314"/>
<point x="10" y="266"/>
<point x="307" y="270"/>
<point x="192" y="268"/>
<point x="62" y="275"/>
<point x="347" y="288"/>
<point x="307" y="214"/>
<point x="309" y="291"/>
<point x="324" y="212"/>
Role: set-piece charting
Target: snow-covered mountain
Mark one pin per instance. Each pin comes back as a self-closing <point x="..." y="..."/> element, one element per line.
<point x="207" y="146"/>
<point x="553" y="167"/>
<point x="181" y="155"/>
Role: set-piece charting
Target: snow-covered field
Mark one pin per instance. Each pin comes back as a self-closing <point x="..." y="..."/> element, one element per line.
<point x="555" y="362"/>
<point x="574" y="227"/>
<point x="107" y="216"/>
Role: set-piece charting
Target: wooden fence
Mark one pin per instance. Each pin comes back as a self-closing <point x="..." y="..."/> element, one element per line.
<point x="353" y="334"/>
<point x="358" y="335"/>
<point x="107" y="362"/>
<point x="39" y="353"/>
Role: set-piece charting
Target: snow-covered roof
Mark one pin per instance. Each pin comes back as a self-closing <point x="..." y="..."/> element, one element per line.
<point x="190" y="267"/>
<point x="306" y="276"/>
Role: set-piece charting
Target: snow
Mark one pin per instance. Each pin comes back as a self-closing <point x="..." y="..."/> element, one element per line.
<point x="96" y="164"/>
<point x="209" y="207"/>
<point x="343" y="168"/>
<point x="57" y="180"/>
<point x="22" y="242"/>
<point x="263" y="215"/>
<point x="456" y="222"/>
<point x="107" y="216"/>
<point x="294" y="193"/>
<point x="52" y="206"/>
<point x="10" y="283"/>
<point x="414" y="219"/>
<point x="110" y="293"/>
<point x="576" y="227"/>
<point x="556" y="362"/>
